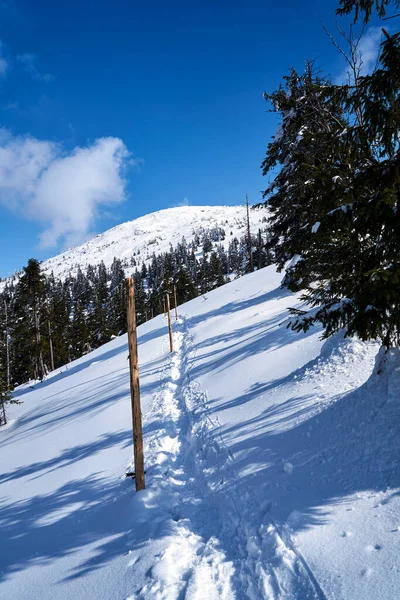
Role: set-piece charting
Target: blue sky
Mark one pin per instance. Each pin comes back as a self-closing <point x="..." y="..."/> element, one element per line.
<point x="111" y="110"/>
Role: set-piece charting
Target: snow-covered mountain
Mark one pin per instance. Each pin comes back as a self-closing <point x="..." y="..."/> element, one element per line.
<point x="272" y="464"/>
<point x="154" y="233"/>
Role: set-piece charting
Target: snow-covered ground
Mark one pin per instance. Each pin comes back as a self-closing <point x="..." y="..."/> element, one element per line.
<point x="272" y="465"/>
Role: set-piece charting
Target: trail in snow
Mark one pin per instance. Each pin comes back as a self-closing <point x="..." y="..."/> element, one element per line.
<point x="193" y="563"/>
<point x="217" y="545"/>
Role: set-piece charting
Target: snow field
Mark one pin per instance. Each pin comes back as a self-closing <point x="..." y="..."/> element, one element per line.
<point x="272" y="464"/>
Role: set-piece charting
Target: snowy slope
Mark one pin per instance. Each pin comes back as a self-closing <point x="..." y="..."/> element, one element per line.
<point x="272" y="465"/>
<point x="154" y="233"/>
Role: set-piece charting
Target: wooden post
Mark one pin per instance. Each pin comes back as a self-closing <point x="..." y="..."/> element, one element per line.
<point x="176" y="306"/>
<point x="171" y="341"/>
<point x="135" y="389"/>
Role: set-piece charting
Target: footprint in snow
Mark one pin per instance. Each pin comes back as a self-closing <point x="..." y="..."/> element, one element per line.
<point x="373" y="548"/>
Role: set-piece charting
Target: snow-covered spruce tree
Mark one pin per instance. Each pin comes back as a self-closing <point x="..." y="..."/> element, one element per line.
<point x="27" y="339"/>
<point x="234" y="258"/>
<point x="5" y="329"/>
<point x="56" y="322"/>
<point x="215" y="272"/>
<point x="116" y="310"/>
<point x="140" y="298"/>
<point x="360" y="289"/>
<point x="185" y="288"/>
<point x="99" y="314"/>
<point x="79" y="333"/>
<point x="311" y="162"/>
<point x="260" y="256"/>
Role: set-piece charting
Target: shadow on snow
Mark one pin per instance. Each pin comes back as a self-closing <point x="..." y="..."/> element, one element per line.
<point x="330" y="461"/>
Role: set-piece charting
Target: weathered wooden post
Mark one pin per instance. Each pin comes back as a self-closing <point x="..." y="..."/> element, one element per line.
<point x="176" y="305"/>
<point x="171" y="341"/>
<point x="135" y="388"/>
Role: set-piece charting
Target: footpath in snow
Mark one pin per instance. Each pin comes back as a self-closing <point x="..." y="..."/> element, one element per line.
<point x="211" y="550"/>
<point x="272" y="465"/>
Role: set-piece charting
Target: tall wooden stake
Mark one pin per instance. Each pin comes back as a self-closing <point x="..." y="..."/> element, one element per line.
<point x="135" y="389"/>
<point x="176" y="305"/>
<point x="171" y="340"/>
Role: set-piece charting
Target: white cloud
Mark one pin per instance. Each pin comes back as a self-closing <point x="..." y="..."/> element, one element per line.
<point x="28" y="60"/>
<point x="368" y="53"/>
<point x="64" y="191"/>
<point x="369" y="49"/>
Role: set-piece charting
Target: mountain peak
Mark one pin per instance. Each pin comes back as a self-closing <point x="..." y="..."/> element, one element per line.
<point x="153" y="233"/>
